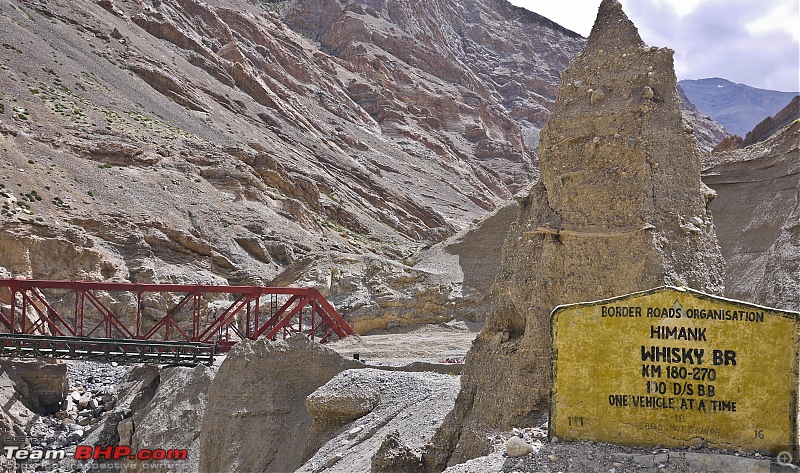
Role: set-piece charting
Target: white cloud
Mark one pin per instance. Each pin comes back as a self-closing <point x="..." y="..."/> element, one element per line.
<point x="755" y="43"/>
<point x="576" y="15"/>
<point x="783" y="16"/>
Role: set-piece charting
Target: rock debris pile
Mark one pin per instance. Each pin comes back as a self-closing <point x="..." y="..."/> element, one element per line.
<point x="87" y="399"/>
<point x="92" y="393"/>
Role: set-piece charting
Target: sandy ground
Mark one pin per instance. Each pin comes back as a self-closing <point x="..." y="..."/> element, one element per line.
<point x="430" y="343"/>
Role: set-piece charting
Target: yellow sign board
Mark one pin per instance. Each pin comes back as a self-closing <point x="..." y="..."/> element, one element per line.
<point x="675" y="367"/>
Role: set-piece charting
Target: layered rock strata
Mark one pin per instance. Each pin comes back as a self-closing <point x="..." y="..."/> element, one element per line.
<point x="758" y="212"/>
<point x="619" y="208"/>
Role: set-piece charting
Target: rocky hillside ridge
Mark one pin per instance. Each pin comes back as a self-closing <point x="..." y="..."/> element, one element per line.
<point x="773" y="124"/>
<point x="757" y="212"/>
<point x="738" y="107"/>
<point x="763" y="130"/>
<point x="180" y="141"/>
<point x="707" y="132"/>
<point x="474" y="59"/>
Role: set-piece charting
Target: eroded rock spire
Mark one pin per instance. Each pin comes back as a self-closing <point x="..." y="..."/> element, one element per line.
<point x="612" y="29"/>
<point x="619" y="208"/>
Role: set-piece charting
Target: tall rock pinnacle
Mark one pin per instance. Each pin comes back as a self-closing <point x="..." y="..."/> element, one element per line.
<point x="619" y="208"/>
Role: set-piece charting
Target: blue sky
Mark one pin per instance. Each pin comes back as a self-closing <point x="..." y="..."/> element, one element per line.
<point x="754" y="42"/>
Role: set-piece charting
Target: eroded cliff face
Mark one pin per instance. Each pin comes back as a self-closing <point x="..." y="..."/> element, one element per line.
<point x="619" y="208"/>
<point x="757" y="212"/>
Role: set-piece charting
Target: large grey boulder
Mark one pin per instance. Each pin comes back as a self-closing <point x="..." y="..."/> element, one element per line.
<point x="345" y="398"/>
<point x="411" y="406"/>
<point x="256" y="418"/>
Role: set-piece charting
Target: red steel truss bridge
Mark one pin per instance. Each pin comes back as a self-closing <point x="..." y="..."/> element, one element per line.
<point x="157" y="323"/>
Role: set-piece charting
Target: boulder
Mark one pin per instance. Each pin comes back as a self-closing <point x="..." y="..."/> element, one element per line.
<point x="517" y="447"/>
<point x="413" y="404"/>
<point x="344" y="398"/>
<point x="256" y="419"/>
<point x="394" y="456"/>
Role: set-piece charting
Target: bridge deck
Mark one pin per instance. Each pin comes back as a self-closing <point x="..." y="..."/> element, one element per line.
<point x="103" y="349"/>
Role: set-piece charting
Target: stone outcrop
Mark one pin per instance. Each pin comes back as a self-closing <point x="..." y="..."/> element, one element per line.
<point x="729" y="143"/>
<point x="46" y="382"/>
<point x="393" y="456"/>
<point x="770" y="125"/>
<point x="256" y="419"/>
<point x="763" y="130"/>
<point x="707" y="132"/>
<point x="619" y="208"/>
<point x="411" y="404"/>
<point x="15" y="418"/>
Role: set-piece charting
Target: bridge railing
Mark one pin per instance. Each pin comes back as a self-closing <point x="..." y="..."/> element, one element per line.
<point x="219" y="315"/>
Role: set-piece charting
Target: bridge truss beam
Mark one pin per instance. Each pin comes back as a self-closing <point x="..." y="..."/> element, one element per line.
<point x="205" y="314"/>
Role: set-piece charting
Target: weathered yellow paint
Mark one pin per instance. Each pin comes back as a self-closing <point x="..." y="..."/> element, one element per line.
<point x="603" y="387"/>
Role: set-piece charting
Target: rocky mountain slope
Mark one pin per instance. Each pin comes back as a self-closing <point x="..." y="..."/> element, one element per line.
<point x="708" y="133"/>
<point x="181" y="141"/>
<point x="280" y="142"/>
<point x="738" y="107"/>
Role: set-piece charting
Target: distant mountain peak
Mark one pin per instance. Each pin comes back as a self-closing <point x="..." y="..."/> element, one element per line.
<point x="738" y="107"/>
